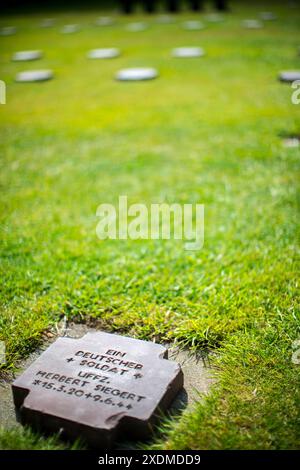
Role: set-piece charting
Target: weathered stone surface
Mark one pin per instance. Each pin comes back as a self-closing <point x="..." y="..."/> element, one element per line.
<point x="107" y="53"/>
<point x="193" y="25"/>
<point x="289" y="76"/>
<point x="98" y="387"/>
<point x="23" y="56"/>
<point x="70" y="28"/>
<point x="34" y="76"/>
<point x="136" y="74"/>
<point x="187" y="52"/>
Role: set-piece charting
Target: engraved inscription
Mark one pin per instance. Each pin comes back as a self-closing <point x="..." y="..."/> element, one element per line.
<point x="89" y="384"/>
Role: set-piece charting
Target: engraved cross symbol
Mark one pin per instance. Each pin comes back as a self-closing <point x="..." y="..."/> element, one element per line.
<point x="137" y="376"/>
<point x="70" y="359"/>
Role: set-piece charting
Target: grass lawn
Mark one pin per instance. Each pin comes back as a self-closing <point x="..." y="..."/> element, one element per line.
<point x="206" y="131"/>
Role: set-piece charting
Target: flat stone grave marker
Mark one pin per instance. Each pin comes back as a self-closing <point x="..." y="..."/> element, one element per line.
<point x="289" y="76"/>
<point x="188" y="52"/>
<point x="99" y="387"/>
<point x="268" y="16"/>
<point x="164" y="19"/>
<point x="193" y="25"/>
<point x="23" y="56"/>
<point x="136" y="74"/>
<point x="70" y="28"/>
<point x="8" y="31"/>
<point x="214" y="18"/>
<point x="107" y="53"/>
<point x="291" y="141"/>
<point x="34" y="76"/>
<point x="47" y="23"/>
<point x="252" y="24"/>
<point x="104" y="21"/>
<point x="136" y="27"/>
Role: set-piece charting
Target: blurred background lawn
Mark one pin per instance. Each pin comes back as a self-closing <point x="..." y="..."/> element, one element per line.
<point x="206" y="131"/>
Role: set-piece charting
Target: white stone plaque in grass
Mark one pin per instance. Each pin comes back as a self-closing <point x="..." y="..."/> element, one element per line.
<point x="214" y="18"/>
<point x="289" y="76"/>
<point x="47" y="23"/>
<point x="164" y="19"/>
<point x="8" y="31"/>
<point x="267" y="16"/>
<point x="70" y="28"/>
<point x="291" y="142"/>
<point x="136" y="74"/>
<point x="23" y="56"/>
<point x="34" y="76"/>
<point x="193" y="25"/>
<point x="252" y="24"/>
<point x="136" y="27"/>
<point x="188" y="52"/>
<point x="105" y="53"/>
<point x="104" y="21"/>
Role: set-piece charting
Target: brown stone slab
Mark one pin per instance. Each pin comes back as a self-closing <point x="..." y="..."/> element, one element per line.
<point x="99" y="387"/>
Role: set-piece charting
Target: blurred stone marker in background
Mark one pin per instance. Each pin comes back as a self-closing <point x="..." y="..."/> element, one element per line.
<point x="291" y="142"/>
<point x="164" y="19"/>
<point x="193" y="25"/>
<point x="214" y="18"/>
<point x="23" y="56"/>
<point x="136" y="27"/>
<point x="252" y="24"/>
<point x="187" y="52"/>
<point x="8" y="31"/>
<point x="99" y="387"/>
<point x="47" y="23"/>
<point x="268" y="16"/>
<point x="104" y="21"/>
<point x="70" y="28"/>
<point x="105" y="53"/>
<point x="34" y="76"/>
<point x="289" y="76"/>
<point x="136" y="74"/>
